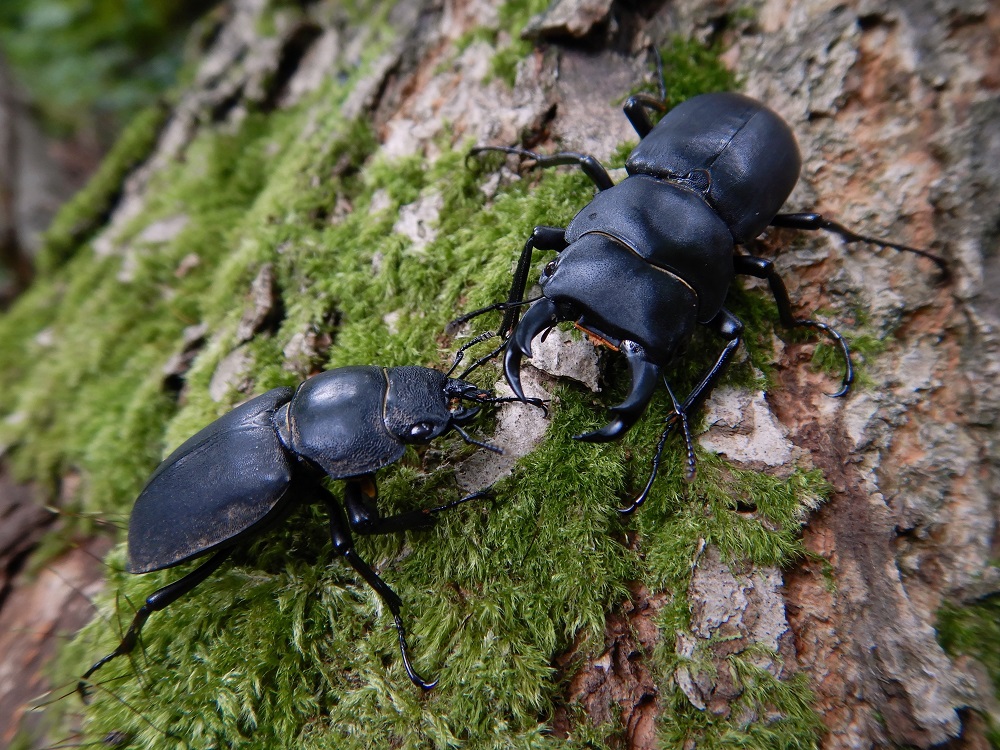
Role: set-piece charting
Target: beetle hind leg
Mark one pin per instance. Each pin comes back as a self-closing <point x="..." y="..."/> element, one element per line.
<point x="814" y="221"/>
<point x="154" y="603"/>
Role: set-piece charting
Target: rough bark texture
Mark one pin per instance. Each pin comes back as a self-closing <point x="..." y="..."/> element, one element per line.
<point x="895" y="108"/>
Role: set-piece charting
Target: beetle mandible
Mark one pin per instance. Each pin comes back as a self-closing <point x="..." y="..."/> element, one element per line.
<point x="239" y="475"/>
<point x="650" y="258"/>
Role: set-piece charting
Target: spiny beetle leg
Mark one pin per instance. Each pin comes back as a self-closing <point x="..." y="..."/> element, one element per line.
<point x="154" y="603"/>
<point x="728" y="326"/>
<point x="812" y="221"/>
<point x="542" y="238"/>
<point x="762" y="268"/>
<point x="677" y="416"/>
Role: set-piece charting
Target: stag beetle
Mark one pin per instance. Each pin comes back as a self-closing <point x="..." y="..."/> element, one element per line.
<point x="240" y="473"/>
<point x="649" y="258"/>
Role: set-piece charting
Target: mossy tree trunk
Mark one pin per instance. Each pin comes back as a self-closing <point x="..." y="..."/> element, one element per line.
<point x="303" y="202"/>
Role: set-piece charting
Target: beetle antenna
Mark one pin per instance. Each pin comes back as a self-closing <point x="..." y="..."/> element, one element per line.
<point x="472" y="441"/>
<point x="502" y="306"/>
<point x="460" y="354"/>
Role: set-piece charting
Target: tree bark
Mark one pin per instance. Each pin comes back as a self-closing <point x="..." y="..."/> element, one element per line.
<point x="895" y="109"/>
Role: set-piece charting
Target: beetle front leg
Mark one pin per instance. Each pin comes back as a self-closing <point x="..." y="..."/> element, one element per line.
<point x="542" y="238"/>
<point x="363" y="516"/>
<point x="154" y="603"/>
<point x="343" y="543"/>
<point x="728" y="326"/>
<point x="762" y="268"/>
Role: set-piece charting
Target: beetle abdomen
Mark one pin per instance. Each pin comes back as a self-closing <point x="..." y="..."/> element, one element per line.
<point x="667" y="226"/>
<point x="219" y="484"/>
<point x="743" y="153"/>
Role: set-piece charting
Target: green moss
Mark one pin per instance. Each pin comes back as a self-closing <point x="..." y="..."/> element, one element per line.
<point x="771" y="714"/>
<point x="691" y="68"/>
<point x="974" y="630"/>
<point x="513" y="18"/>
<point x="90" y="66"/>
<point x="90" y="207"/>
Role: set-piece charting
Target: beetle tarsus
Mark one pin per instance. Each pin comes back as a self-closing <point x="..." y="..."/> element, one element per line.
<point x="833" y="333"/>
<point x="415" y="678"/>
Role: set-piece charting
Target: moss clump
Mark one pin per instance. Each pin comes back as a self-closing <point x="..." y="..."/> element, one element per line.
<point x="90" y="207"/>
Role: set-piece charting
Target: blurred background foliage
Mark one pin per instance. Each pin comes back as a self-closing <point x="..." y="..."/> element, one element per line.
<point x="87" y="66"/>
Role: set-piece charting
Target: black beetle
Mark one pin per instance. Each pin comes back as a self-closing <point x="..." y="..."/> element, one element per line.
<point x="240" y="473"/>
<point x="649" y="258"/>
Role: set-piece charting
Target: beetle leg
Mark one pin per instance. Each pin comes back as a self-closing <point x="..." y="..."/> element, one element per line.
<point x="637" y="104"/>
<point x="729" y="326"/>
<point x="363" y="516"/>
<point x="635" y="110"/>
<point x="343" y="543"/>
<point x="678" y="415"/>
<point x="814" y="221"/>
<point x="762" y="268"/>
<point x="589" y="164"/>
<point x="644" y="375"/>
<point x="542" y="238"/>
<point x="154" y="603"/>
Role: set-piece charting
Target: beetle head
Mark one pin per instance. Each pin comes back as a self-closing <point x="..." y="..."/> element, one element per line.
<point x="608" y="290"/>
<point x="422" y="404"/>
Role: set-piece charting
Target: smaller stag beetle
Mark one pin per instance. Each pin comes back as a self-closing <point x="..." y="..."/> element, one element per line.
<point x="240" y="473"/>
<point x="651" y="257"/>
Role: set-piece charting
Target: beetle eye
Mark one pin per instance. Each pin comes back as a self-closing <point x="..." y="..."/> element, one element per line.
<point x="421" y="430"/>
<point x="550" y="268"/>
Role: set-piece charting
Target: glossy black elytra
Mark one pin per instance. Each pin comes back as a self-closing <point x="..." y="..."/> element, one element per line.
<point x="240" y="474"/>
